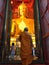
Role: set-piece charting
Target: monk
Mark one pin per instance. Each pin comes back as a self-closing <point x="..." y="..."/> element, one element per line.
<point x="26" y="47"/>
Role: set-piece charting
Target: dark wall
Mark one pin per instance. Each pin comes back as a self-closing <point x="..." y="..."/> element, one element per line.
<point x="44" y="18"/>
<point x="2" y="11"/>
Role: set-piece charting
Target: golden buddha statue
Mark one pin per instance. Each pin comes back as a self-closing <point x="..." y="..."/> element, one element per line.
<point x="23" y="21"/>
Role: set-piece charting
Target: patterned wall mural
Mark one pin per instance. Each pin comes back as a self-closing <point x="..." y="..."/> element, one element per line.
<point x="44" y="14"/>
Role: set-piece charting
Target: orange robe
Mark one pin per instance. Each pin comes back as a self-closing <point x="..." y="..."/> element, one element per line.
<point x="26" y="48"/>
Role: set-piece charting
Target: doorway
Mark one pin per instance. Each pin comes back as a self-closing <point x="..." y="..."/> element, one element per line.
<point x="21" y="14"/>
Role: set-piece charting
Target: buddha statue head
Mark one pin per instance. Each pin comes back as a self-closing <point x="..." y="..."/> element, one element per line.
<point x="22" y="9"/>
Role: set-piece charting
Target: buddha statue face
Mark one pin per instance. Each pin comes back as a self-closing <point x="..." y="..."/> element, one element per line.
<point x="22" y="9"/>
